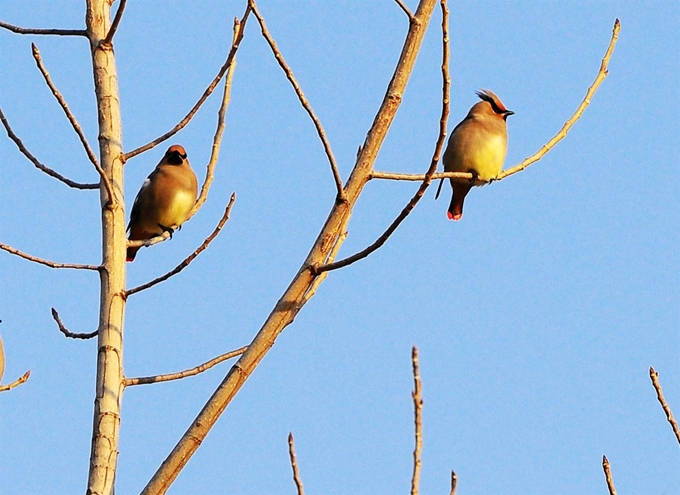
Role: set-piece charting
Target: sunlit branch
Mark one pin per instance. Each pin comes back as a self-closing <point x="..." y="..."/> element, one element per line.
<point x="429" y="175"/>
<point x="206" y="94"/>
<point x="72" y="119"/>
<point x="608" y="475"/>
<point x="602" y="73"/>
<point x="303" y="99"/>
<point x="41" y="261"/>
<point x="183" y="374"/>
<point x="67" y="332"/>
<point x="418" y="422"/>
<point x="22" y="379"/>
<point x="294" y="465"/>
<point x="57" y="32"/>
<point x="666" y="408"/>
<point x="454" y="483"/>
<point x="192" y="256"/>
<point x="406" y="10"/>
<point x="463" y="176"/>
<point x="36" y="162"/>
<point x="217" y="139"/>
<point x="114" y="25"/>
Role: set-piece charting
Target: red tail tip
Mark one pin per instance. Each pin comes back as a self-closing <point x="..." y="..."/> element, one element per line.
<point x="456" y="217"/>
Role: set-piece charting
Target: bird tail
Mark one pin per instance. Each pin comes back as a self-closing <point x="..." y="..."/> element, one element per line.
<point x="457" y="198"/>
<point x="131" y="253"/>
<point x="439" y="189"/>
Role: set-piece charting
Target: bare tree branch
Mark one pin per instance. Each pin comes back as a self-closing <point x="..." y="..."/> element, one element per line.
<point x="72" y="119"/>
<point x="293" y="464"/>
<point x="22" y="379"/>
<point x="303" y="100"/>
<point x="36" y="162"/>
<point x="666" y="409"/>
<point x="463" y="176"/>
<point x="51" y="264"/>
<point x="206" y="94"/>
<point x="217" y="139"/>
<point x="602" y="73"/>
<point x="295" y="296"/>
<point x="191" y="257"/>
<point x="57" y="32"/>
<point x="406" y="10"/>
<point x="454" y="483"/>
<point x="418" y="422"/>
<point x="129" y="382"/>
<point x="608" y="475"/>
<point x="69" y="334"/>
<point x="428" y="177"/>
<point x="114" y="25"/>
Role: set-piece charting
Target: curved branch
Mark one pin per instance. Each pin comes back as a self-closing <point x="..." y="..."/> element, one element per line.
<point x="206" y="94"/>
<point x="36" y="162"/>
<point x="57" y="32"/>
<point x="429" y="175"/>
<point x="664" y="405"/>
<point x="67" y="332"/>
<point x="72" y="119"/>
<point x="114" y="25"/>
<point x="183" y="374"/>
<point x="602" y="73"/>
<point x="51" y="264"/>
<point x="303" y="100"/>
<point x="22" y="379"/>
<point x="189" y="258"/>
<point x="217" y="139"/>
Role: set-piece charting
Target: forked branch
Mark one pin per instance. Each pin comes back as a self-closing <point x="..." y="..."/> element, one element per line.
<point x="232" y="53"/>
<point x="664" y="405"/>
<point x="145" y="380"/>
<point x="303" y="99"/>
<point x="114" y="25"/>
<point x="36" y="162"/>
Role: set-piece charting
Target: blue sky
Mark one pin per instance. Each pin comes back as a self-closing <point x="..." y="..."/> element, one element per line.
<point x="537" y="316"/>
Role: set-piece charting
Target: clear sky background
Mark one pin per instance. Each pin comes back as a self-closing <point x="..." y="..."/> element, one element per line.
<point x="537" y="316"/>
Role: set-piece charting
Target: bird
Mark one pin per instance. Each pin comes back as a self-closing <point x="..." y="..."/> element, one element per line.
<point x="477" y="145"/>
<point x="165" y="199"/>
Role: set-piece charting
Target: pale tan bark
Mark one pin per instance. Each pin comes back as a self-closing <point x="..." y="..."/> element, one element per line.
<point x="305" y="281"/>
<point x="109" y="383"/>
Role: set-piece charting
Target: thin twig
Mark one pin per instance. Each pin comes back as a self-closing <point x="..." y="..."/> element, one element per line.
<point x="206" y="94"/>
<point x="114" y="25"/>
<point x="454" y="483"/>
<point x="57" y="32"/>
<point x="303" y="100"/>
<point x="72" y="119"/>
<point x="464" y="176"/>
<point x="602" y="73"/>
<point x="36" y="162"/>
<point x="67" y="332"/>
<point x="217" y="139"/>
<point x="22" y="379"/>
<point x="666" y="408"/>
<point x="51" y="264"/>
<point x="293" y="463"/>
<point x="406" y="10"/>
<point x="150" y="242"/>
<point x="608" y="475"/>
<point x="428" y="177"/>
<point x="192" y="256"/>
<point x="145" y="380"/>
<point x="418" y="421"/>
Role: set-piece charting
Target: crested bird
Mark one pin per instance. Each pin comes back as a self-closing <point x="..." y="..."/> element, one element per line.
<point x="165" y="199"/>
<point x="477" y="145"/>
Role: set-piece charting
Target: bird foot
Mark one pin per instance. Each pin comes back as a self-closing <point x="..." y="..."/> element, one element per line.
<point x="170" y="230"/>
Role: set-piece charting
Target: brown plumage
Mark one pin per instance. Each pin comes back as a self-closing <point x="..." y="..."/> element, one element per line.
<point x="477" y="145"/>
<point x="165" y="199"/>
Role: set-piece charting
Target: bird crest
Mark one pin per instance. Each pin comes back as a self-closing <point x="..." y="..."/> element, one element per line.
<point x="495" y="101"/>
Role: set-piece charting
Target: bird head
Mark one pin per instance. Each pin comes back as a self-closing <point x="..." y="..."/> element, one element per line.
<point x="492" y="104"/>
<point x="175" y="155"/>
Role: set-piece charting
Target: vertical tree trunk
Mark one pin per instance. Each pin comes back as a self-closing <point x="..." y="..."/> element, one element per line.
<point x="109" y="386"/>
